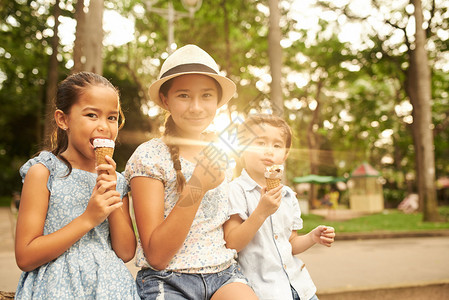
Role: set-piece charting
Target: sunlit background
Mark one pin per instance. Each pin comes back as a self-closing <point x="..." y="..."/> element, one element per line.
<point x="120" y="30"/>
<point x="347" y="137"/>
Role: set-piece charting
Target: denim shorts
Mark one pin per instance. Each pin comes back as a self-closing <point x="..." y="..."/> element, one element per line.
<point x="296" y="296"/>
<point x="152" y="284"/>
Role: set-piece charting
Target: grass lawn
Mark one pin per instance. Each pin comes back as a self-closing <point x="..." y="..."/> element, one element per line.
<point x="389" y="220"/>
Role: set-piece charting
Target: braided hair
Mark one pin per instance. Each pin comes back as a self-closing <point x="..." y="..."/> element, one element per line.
<point x="170" y="130"/>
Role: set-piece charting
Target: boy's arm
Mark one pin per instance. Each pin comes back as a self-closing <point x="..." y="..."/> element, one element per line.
<point x="323" y="235"/>
<point x="239" y="233"/>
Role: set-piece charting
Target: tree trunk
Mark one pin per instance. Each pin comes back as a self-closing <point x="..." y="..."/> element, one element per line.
<point x="228" y="60"/>
<point x="87" y="51"/>
<point x="420" y="97"/>
<point x="52" y="79"/>
<point x="275" y="56"/>
<point x="313" y="143"/>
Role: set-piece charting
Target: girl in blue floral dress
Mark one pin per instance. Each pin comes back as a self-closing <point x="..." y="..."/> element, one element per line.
<point x="179" y="190"/>
<point x="74" y="231"/>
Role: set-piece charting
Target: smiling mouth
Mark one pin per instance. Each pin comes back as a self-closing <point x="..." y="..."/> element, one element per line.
<point x="196" y="119"/>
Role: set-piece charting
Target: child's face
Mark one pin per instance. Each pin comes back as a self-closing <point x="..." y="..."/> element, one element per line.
<point x="192" y="101"/>
<point x="94" y="115"/>
<point x="266" y="150"/>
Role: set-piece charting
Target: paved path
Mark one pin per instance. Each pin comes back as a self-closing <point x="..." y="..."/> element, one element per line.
<point x="378" y="263"/>
<point x="9" y="272"/>
<point x="347" y="266"/>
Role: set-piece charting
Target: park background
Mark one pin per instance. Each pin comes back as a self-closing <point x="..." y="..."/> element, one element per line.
<point x="358" y="81"/>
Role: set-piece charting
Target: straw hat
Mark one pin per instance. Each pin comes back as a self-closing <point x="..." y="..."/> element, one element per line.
<point x="191" y="59"/>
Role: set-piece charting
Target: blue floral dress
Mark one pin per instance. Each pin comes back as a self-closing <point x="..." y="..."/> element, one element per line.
<point x="89" y="269"/>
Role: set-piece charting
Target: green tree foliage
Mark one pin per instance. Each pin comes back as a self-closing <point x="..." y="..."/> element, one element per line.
<point x="393" y="41"/>
<point x="23" y="66"/>
<point x="363" y="112"/>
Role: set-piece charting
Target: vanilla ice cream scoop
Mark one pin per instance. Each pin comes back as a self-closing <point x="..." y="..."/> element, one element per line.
<point x="103" y="143"/>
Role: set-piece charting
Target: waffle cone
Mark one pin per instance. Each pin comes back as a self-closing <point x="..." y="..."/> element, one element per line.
<point x="272" y="183"/>
<point x="101" y="152"/>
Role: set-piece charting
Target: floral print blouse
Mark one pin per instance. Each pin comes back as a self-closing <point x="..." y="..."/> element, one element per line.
<point x="204" y="249"/>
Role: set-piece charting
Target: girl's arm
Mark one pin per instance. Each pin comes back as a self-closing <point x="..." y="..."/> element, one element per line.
<point x="239" y="233"/>
<point x="121" y="229"/>
<point x="162" y="238"/>
<point x="123" y="239"/>
<point x="323" y="235"/>
<point x="34" y="249"/>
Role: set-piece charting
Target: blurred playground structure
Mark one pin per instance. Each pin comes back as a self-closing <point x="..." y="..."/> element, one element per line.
<point x="364" y="192"/>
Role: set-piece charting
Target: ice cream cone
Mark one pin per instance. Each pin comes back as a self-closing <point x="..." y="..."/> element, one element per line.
<point x="273" y="176"/>
<point x="272" y="183"/>
<point x="101" y="152"/>
<point x="102" y="148"/>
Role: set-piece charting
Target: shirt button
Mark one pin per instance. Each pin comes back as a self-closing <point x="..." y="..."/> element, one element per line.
<point x="275" y="236"/>
<point x="285" y="266"/>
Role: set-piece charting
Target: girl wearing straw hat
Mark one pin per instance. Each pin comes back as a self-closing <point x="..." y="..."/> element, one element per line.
<point x="180" y="192"/>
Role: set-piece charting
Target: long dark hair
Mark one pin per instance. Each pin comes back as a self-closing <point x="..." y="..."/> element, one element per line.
<point x="170" y="131"/>
<point x="68" y="93"/>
